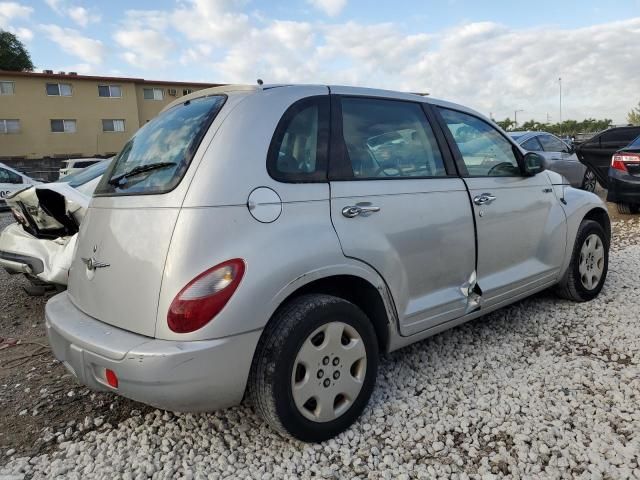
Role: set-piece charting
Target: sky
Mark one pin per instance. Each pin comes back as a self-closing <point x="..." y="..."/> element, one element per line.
<point x="495" y="56"/>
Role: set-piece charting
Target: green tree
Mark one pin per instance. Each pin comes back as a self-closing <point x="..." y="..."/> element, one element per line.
<point x="13" y="55"/>
<point x="506" y="124"/>
<point x="633" y="117"/>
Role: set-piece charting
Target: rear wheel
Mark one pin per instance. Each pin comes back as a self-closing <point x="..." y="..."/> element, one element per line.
<point x="589" y="264"/>
<point x="589" y="181"/>
<point x="626" y="208"/>
<point x="314" y="368"/>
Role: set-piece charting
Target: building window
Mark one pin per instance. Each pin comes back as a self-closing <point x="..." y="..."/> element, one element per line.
<point x="113" y="125"/>
<point x="9" y="126"/>
<point x="7" y="88"/>
<point x="153" y="93"/>
<point x="112" y="91"/>
<point x="63" y="126"/>
<point x="59" y="89"/>
<point x="187" y="91"/>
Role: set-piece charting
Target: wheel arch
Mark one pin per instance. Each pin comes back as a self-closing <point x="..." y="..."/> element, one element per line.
<point x="601" y="216"/>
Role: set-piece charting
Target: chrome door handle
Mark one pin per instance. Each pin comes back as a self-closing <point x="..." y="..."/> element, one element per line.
<point x="352" y="211"/>
<point x="484" y="199"/>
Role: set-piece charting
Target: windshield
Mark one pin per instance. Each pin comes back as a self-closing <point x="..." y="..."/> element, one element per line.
<point x="86" y="174"/>
<point x="156" y="158"/>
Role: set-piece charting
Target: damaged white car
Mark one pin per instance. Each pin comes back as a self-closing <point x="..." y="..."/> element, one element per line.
<point x="42" y="242"/>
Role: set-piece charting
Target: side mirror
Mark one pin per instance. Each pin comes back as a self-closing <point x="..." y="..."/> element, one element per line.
<point x="533" y="163"/>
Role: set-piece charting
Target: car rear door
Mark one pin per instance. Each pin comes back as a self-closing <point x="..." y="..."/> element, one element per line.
<point x="597" y="151"/>
<point x="398" y="205"/>
<point x="520" y="224"/>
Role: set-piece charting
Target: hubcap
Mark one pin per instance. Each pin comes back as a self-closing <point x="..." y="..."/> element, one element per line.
<point x="591" y="266"/>
<point x="329" y="372"/>
<point x="590" y="181"/>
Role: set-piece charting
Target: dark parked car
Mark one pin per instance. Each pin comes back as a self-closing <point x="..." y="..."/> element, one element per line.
<point x="596" y="152"/>
<point x="624" y="178"/>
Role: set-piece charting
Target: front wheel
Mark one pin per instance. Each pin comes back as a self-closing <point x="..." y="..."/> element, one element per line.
<point x="589" y="264"/>
<point x="314" y="368"/>
<point x="589" y="181"/>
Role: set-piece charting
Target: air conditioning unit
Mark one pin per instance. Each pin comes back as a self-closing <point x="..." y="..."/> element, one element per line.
<point x="173" y="92"/>
<point x="50" y="72"/>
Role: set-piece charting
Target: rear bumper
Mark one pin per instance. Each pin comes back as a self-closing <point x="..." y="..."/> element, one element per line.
<point x="623" y="187"/>
<point x="179" y="376"/>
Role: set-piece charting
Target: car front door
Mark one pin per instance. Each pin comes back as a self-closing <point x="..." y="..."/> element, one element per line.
<point x="560" y="160"/>
<point x="520" y="224"/>
<point x="398" y="206"/>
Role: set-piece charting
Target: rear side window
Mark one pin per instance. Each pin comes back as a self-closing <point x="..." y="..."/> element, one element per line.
<point x="7" y="176"/>
<point x="156" y="158"/>
<point x="635" y="143"/>
<point x="484" y="150"/>
<point x="532" y="145"/>
<point x="388" y="139"/>
<point x="298" y="150"/>
<point x="619" y="137"/>
<point x="552" y="144"/>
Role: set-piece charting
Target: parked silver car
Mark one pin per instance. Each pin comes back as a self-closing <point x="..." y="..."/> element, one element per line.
<point x="559" y="157"/>
<point x="270" y="242"/>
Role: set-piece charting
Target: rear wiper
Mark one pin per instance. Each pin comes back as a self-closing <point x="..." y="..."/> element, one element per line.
<point x="117" y="180"/>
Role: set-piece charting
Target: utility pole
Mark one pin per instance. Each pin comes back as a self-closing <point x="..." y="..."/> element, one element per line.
<point x="515" y="116"/>
<point x="560" y="85"/>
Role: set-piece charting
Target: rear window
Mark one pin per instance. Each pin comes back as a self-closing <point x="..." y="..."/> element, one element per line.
<point x="156" y="158"/>
<point x="635" y="143"/>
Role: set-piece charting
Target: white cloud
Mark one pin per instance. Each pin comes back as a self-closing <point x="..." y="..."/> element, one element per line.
<point x="144" y="47"/>
<point x="73" y="42"/>
<point x="10" y="11"/>
<point x="80" y="15"/>
<point x="330" y="7"/>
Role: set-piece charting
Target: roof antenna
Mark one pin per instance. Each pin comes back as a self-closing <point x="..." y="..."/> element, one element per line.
<point x="260" y="82"/>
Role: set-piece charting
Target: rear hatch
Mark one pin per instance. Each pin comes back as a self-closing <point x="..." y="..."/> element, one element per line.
<point x="117" y="271"/>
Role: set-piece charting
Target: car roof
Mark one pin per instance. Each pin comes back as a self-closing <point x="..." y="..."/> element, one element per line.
<point x="337" y="89"/>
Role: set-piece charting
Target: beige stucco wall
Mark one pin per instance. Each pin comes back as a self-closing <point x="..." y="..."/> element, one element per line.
<point x="34" y="108"/>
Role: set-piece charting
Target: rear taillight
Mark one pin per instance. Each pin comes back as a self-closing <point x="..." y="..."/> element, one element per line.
<point x="619" y="160"/>
<point x="204" y="296"/>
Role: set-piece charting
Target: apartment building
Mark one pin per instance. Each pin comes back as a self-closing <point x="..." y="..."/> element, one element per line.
<point x="66" y="115"/>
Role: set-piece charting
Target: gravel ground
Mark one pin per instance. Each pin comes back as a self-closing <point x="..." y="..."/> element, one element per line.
<point x="542" y="389"/>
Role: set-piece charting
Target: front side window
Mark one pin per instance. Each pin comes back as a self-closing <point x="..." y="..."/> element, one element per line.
<point x="532" y="145"/>
<point x="10" y="126"/>
<point x="59" y="89"/>
<point x="113" y="125"/>
<point x="7" y="176"/>
<point x="484" y="151"/>
<point x="7" y="88"/>
<point x="552" y="144"/>
<point x="110" y="91"/>
<point x="153" y="93"/>
<point x="156" y="158"/>
<point x="388" y="138"/>
<point x="298" y="149"/>
<point x="63" y="126"/>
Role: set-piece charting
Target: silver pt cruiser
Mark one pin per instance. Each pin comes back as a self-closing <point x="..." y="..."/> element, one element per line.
<point x="270" y="242"/>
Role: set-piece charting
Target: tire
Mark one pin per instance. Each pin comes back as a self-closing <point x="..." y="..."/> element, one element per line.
<point x="286" y="339"/>
<point x="576" y="286"/>
<point x="626" y="208"/>
<point x="589" y="181"/>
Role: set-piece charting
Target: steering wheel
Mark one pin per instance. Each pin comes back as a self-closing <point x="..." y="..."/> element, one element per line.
<point x="499" y="166"/>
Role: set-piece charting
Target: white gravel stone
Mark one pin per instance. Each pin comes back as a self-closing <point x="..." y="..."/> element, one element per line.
<point x="542" y="389"/>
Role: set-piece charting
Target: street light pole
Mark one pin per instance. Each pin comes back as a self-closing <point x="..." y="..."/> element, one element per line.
<point x="560" y="84"/>
<point x="515" y="116"/>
